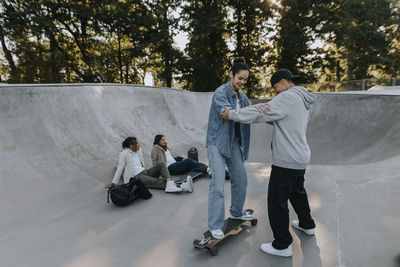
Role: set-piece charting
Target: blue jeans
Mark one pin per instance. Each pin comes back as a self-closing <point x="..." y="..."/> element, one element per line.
<point x="185" y="166"/>
<point x="238" y="178"/>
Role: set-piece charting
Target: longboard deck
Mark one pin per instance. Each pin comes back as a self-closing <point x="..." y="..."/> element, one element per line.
<point x="231" y="227"/>
<point x="181" y="178"/>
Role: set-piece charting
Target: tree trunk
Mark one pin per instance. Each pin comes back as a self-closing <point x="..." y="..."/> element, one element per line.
<point x="53" y="61"/>
<point x="120" y="59"/>
<point x="126" y="70"/>
<point x="338" y="77"/>
<point x="239" y="49"/>
<point x="8" y="56"/>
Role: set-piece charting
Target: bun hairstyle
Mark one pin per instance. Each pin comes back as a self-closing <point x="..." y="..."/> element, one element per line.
<point x="239" y="64"/>
<point x="129" y="141"/>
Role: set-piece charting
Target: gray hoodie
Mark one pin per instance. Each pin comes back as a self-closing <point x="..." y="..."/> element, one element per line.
<point x="288" y="113"/>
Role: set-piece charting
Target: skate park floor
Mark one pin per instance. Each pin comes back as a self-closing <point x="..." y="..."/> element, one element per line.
<point x="59" y="146"/>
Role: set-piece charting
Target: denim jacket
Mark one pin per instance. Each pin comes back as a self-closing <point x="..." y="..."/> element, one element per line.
<point x="220" y="132"/>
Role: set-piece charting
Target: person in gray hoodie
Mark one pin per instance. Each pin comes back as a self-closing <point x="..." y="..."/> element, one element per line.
<point x="288" y="114"/>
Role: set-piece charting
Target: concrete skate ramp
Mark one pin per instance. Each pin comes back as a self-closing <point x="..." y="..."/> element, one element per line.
<point x="385" y="89"/>
<point x="354" y="128"/>
<point x="59" y="146"/>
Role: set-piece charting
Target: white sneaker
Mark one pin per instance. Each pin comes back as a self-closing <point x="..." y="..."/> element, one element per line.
<point x="188" y="185"/>
<point x="245" y="217"/>
<point x="208" y="170"/>
<point x="171" y="187"/>
<point x="269" y="249"/>
<point x="217" y="233"/>
<point x="295" y="224"/>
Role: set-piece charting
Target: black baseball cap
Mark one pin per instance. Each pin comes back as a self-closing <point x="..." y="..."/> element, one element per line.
<point x="283" y="74"/>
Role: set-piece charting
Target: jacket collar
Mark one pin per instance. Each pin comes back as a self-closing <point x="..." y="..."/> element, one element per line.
<point x="129" y="150"/>
<point x="159" y="147"/>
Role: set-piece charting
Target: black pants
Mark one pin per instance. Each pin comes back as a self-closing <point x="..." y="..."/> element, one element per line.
<point x="287" y="184"/>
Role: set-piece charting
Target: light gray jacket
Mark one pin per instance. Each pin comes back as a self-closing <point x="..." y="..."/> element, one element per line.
<point x="288" y="114"/>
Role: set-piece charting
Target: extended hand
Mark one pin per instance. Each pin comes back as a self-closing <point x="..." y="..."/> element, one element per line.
<point x="109" y="185"/>
<point x="225" y="115"/>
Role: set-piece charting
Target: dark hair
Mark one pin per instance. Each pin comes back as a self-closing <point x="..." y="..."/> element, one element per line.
<point x="129" y="141"/>
<point x="239" y="64"/>
<point x="157" y="139"/>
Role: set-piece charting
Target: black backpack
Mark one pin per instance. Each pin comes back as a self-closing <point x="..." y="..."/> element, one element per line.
<point x="125" y="194"/>
<point x="193" y="154"/>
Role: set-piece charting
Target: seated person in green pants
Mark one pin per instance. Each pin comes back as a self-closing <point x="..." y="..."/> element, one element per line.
<point x="131" y="164"/>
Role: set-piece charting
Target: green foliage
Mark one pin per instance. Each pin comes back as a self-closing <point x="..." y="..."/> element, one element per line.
<point x="76" y="41"/>
<point x="248" y="28"/>
<point x="119" y="41"/>
<point x="207" y="52"/>
<point x="392" y="66"/>
<point x="356" y="35"/>
<point x="165" y="56"/>
<point x="293" y="39"/>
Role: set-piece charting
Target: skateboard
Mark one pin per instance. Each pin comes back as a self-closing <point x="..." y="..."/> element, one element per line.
<point x="181" y="178"/>
<point x="231" y="227"/>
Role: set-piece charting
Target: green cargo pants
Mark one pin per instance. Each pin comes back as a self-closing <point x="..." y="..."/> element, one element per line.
<point x="151" y="177"/>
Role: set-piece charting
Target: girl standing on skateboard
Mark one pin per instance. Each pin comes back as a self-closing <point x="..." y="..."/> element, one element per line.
<point x="228" y="144"/>
<point x="288" y="114"/>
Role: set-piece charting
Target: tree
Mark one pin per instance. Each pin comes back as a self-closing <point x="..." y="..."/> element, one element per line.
<point x="6" y="50"/>
<point x="165" y="56"/>
<point x="48" y="37"/>
<point x="119" y="41"/>
<point x="356" y="33"/>
<point x="75" y="41"/>
<point x="206" y="64"/>
<point x="293" y="39"/>
<point x="248" y="29"/>
<point x="127" y="26"/>
<point x="393" y="68"/>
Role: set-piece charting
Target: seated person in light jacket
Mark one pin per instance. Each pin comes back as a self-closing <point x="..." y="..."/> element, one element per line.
<point x="131" y="164"/>
<point x="178" y="165"/>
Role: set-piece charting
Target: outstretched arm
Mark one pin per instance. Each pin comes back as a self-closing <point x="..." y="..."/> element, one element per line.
<point x="118" y="172"/>
<point x="263" y="112"/>
<point x="248" y="114"/>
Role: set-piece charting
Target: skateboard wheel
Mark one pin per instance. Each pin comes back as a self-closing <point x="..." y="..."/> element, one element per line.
<point x="254" y="222"/>
<point x="213" y="251"/>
